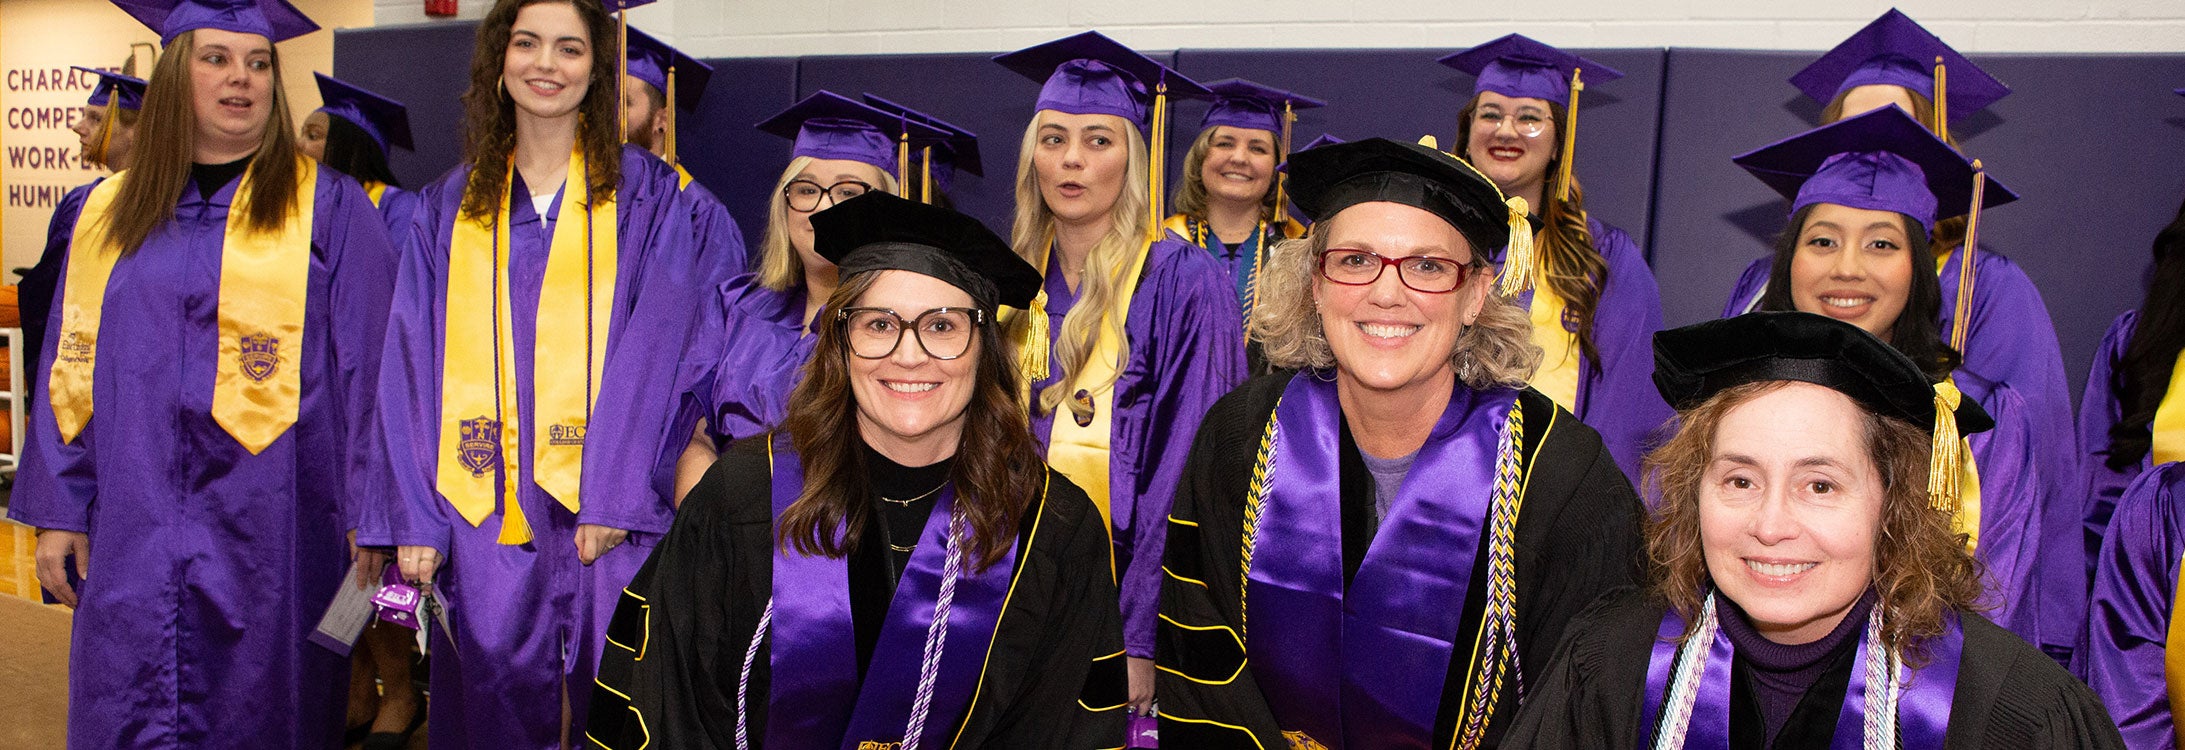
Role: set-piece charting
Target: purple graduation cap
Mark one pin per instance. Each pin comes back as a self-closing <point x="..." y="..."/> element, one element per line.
<point x="827" y="125"/>
<point x="958" y="149"/>
<point x="1090" y="74"/>
<point x="275" y="20"/>
<point x="1516" y="65"/>
<point x="1897" y="51"/>
<point x="1881" y="161"/>
<point x="1239" y="103"/>
<point x="384" y="119"/>
<point x="650" y="60"/>
<point x="126" y="92"/>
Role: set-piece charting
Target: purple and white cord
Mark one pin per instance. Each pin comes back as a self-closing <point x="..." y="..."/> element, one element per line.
<point x="743" y="680"/>
<point x="929" y="668"/>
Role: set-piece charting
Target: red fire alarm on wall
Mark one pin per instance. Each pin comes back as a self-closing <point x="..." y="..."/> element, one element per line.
<point x="440" y="8"/>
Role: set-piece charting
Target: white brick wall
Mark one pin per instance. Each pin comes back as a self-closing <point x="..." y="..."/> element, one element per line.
<point x="736" y="28"/>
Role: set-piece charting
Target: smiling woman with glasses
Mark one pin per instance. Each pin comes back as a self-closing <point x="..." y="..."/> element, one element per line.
<point x="897" y="550"/>
<point x="843" y="150"/>
<point x="1347" y="560"/>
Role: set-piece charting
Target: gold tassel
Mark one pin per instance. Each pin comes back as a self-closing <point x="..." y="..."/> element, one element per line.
<point x="1942" y="101"/>
<point x="1948" y="458"/>
<point x="1570" y="139"/>
<point x="1517" y="263"/>
<point x="1282" y="176"/>
<point x="1158" y="150"/>
<point x="622" y="49"/>
<point x="925" y="176"/>
<point x="902" y="160"/>
<point x="669" y="146"/>
<point x="1961" y="317"/>
<point x="1032" y="352"/>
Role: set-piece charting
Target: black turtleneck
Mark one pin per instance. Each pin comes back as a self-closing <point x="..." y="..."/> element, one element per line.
<point x="210" y="178"/>
<point x="901" y="524"/>
<point x="1804" y="683"/>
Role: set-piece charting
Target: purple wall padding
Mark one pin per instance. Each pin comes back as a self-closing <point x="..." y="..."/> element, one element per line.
<point x="392" y="61"/>
<point x="721" y="149"/>
<point x="1402" y="94"/>
<point x="2090" y="142"/>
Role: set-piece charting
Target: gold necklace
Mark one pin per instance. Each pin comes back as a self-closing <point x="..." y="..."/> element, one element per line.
<point x="906" y="503"/>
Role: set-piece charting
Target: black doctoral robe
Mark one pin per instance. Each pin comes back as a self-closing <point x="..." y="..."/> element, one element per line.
<point x="2009" y="694"/>
<point x="1577" y="536"/>
<point x="1054" y="677"/>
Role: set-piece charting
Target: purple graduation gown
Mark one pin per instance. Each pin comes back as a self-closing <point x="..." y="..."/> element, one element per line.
<point x="2099" y="411"/>
<point x="209" y="566"/>
<point x="1616" y="396"/>
<point x="755" y="360"/>
<point x="1186" y="350"/>
<point x="526" y="617"/>
<point x="2128" y="618"/>
<point x="399" y="207"/>
<point x="2013" y="347"/>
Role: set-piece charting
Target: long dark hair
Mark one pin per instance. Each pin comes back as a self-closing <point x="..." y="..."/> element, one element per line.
<point x="354" y="153"/>
<point x="1574" y="268"/>
<point x="997" y="469"/>
<point x="1915" y="334"/>
<point x="160" y="168"/>
<point x="489" y="115"/>
<point x="2143" y="375"/>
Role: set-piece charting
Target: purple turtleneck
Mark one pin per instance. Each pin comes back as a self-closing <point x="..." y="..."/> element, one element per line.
<point x="1781" y="673"/>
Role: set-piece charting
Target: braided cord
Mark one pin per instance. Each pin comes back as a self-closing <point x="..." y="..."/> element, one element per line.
<point x="1499" y="657"/>
<point x="929" y="668"/>
<point x="1684" y="683"/>
<point x="1882" y="687"/>
<point x="743" y="680"/>
<point x="1263" y="472"/>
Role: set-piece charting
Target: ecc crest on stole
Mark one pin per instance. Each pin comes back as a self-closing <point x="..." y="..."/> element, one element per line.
<point x="480" y="448"/>
<point x="260" y="357"/>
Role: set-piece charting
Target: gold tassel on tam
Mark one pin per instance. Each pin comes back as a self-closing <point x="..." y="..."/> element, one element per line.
<point x="669" y="145"/>
<point x="1942" y="100"/>
<point x="1948" y="457"/>
<point x="1157" y="148"/>
<point x="1517" y="262"/>
<point x="925" y="176"/>
<point x="1570" y="138"/>
<point x="1032" y="352"/>
<point x="902" y="159"/>
<point x="1968" y="254"/>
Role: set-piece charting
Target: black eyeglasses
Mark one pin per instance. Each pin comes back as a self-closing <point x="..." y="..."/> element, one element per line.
<point x="804" y="196"/>
<point x="943" y="332"/>
<point x="1425" y="273"/>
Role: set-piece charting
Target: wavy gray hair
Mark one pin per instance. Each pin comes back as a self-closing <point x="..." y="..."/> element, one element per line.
<point x="1496" y="351"/>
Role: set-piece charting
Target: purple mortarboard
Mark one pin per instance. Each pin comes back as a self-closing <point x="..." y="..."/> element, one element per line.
<point x="384" y="119"/>
<point x="2179" y="92"/>
<point x="650" y="59"/>
<point x="275" y="20"/>
<point x="827" y="125"/>
<point x="1090" y="74"/>
<point x="957" y="149"/>
<point x="1323" y="140"/>
<point x="1897" y="51"/>
<point x="1239" y="103"/>
<point x="1516" y="65"/>
<point x="126" y="92"/>
<point x="1881" y="161"/>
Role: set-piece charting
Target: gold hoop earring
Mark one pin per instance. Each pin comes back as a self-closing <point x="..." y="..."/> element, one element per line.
<point x="500" y="84"/>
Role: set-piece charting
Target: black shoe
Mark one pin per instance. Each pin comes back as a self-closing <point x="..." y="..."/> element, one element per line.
<point x="395" y="740"/>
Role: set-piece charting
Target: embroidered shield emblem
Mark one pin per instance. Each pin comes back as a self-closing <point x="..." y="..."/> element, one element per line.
<point x="1302" y="741"/>
<point x="570" y="433"/>
<point x="260" y="357"/>
<point x="480" y="448"/>
<point x="1084" y="411"/>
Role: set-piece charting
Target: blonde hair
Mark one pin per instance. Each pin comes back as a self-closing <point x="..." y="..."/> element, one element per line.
<point x="1107" y="267"/>
<point x="1496" y="351"/>
<point x="1190" y="199"/>
<point x="780" y="268"/>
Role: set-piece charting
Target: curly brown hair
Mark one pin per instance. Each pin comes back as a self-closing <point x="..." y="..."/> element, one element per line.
<point x="997" y="472"/>
<point x="1922" y="571"/>
<point x="489" y="115"/>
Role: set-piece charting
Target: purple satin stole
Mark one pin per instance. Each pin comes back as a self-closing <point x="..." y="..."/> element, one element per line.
<point x="815" y="701"/>
<point x="1366" y="670"/>
<point x="1923" y="705"/>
